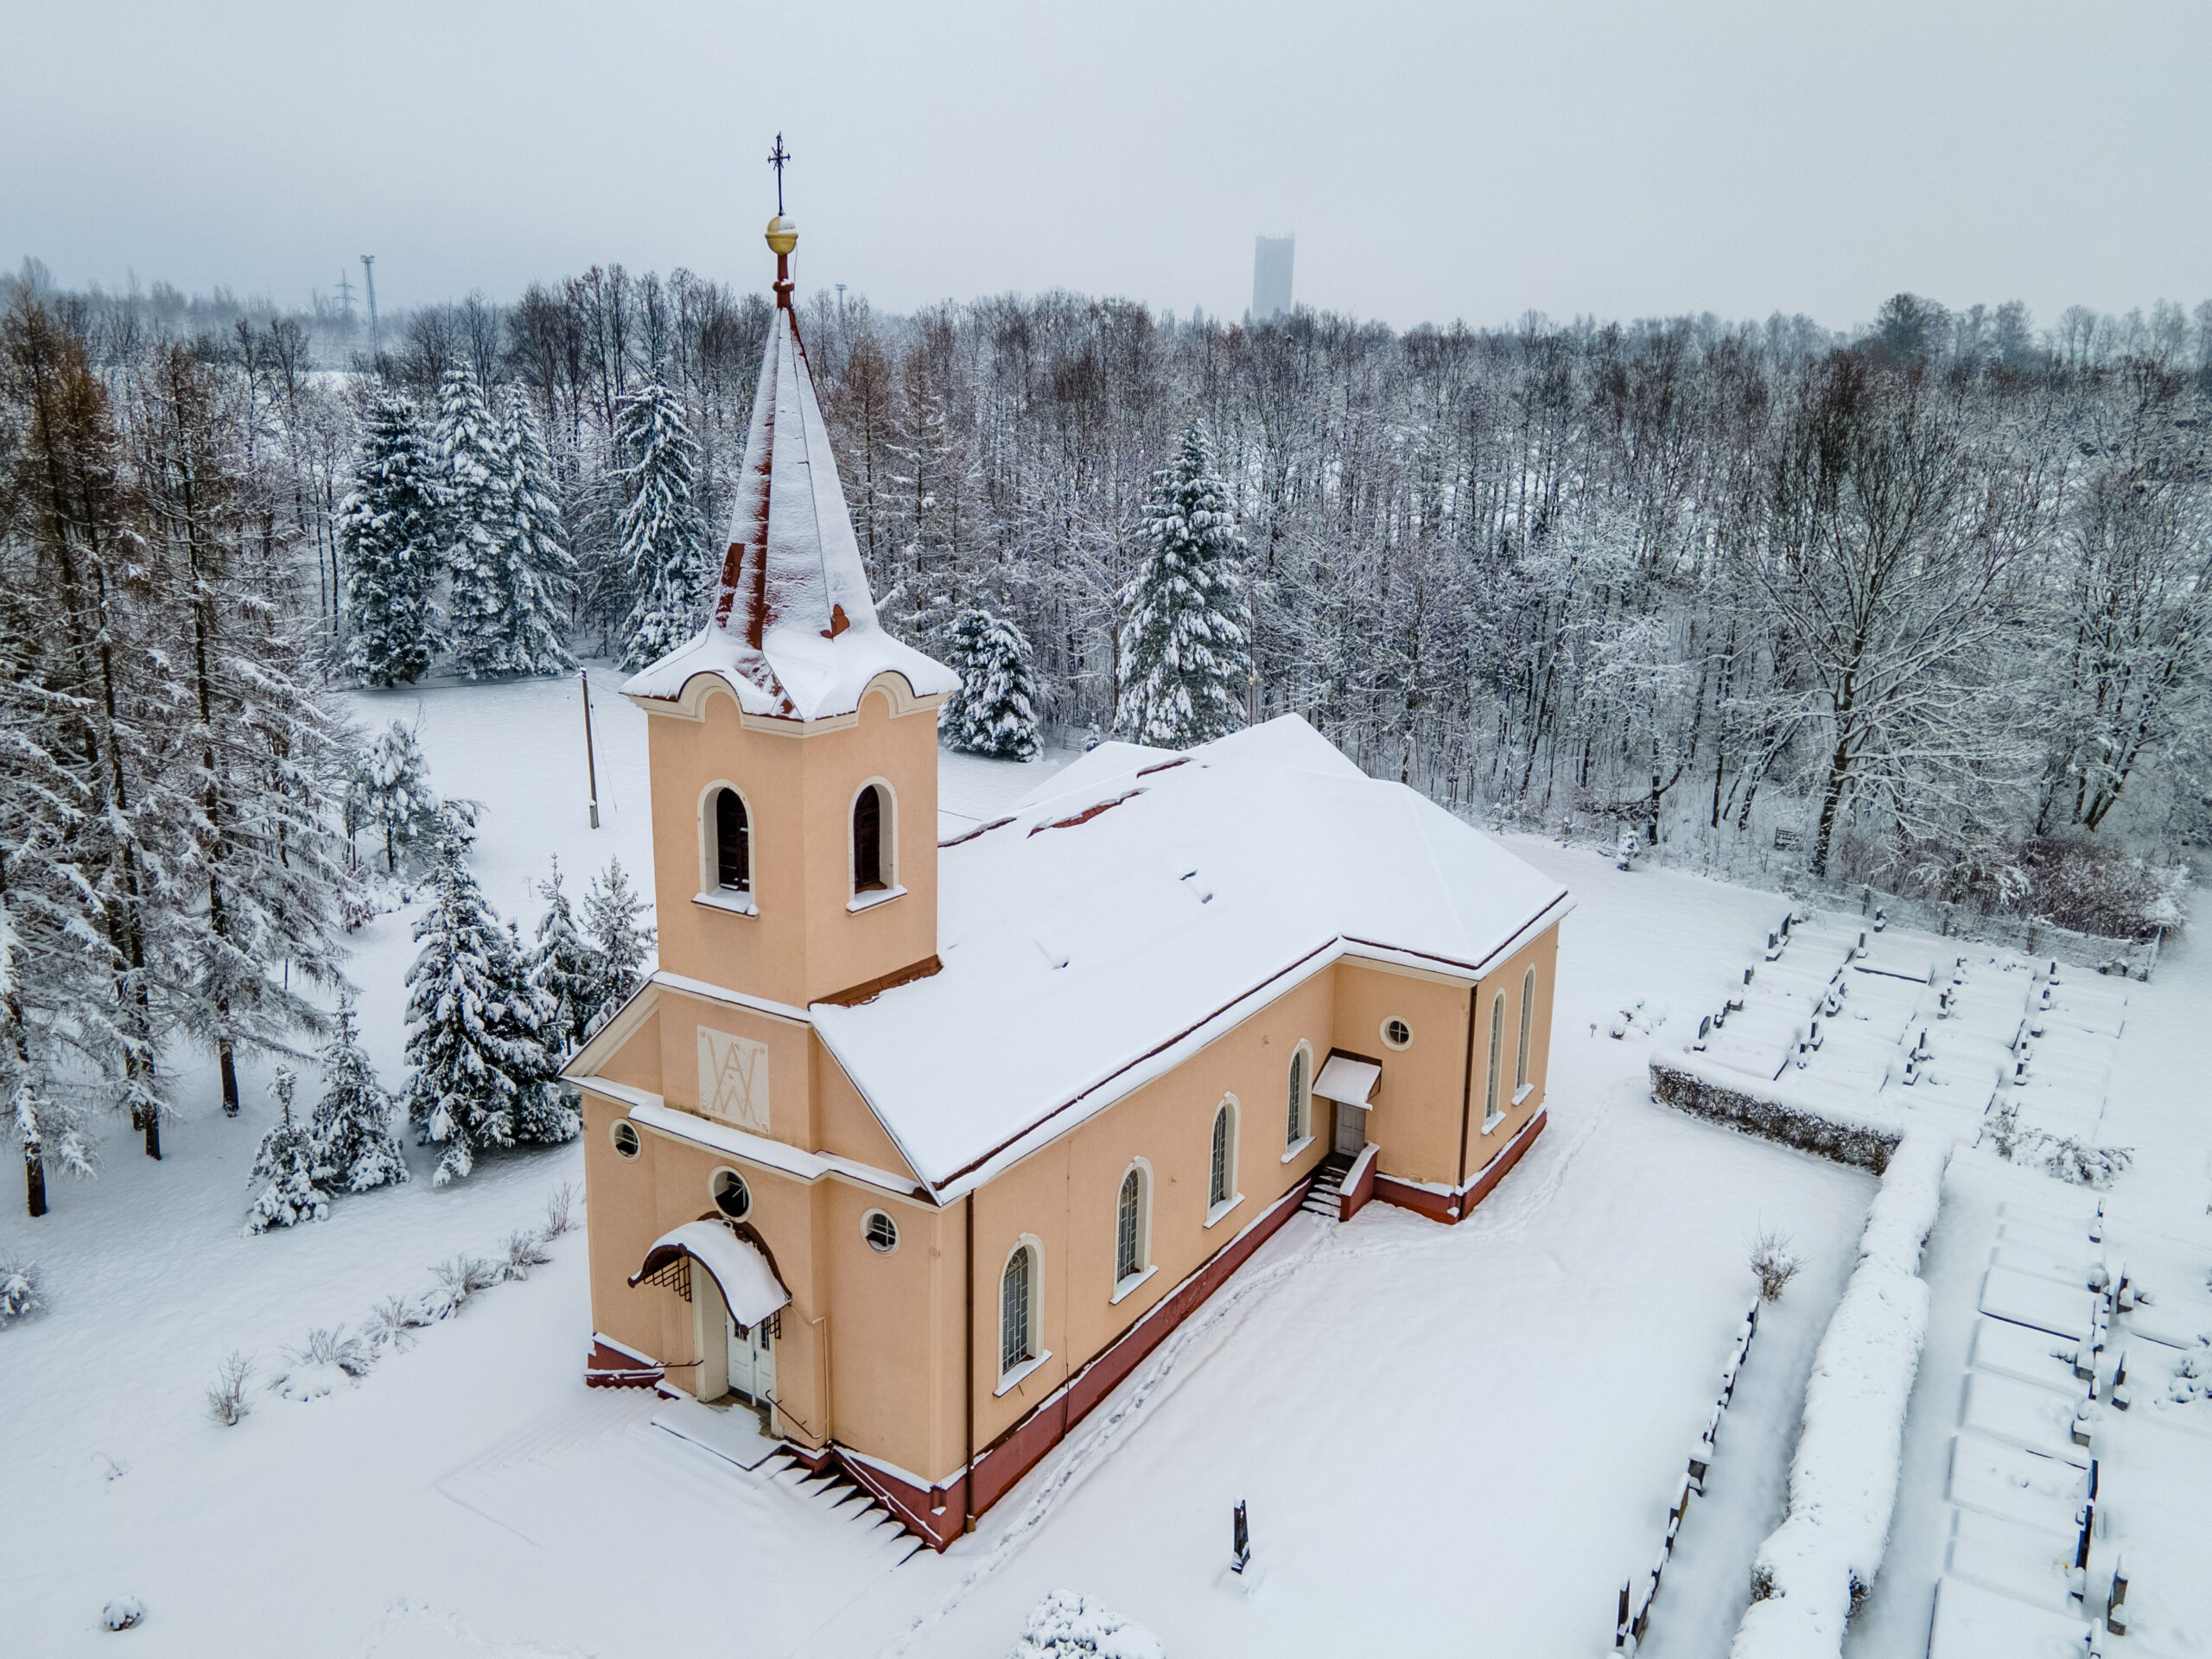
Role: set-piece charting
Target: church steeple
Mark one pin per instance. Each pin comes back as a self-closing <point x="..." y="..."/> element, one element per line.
<point x="796" y="871"/>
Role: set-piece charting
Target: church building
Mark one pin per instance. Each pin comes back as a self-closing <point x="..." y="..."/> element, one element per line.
<point x="919" y="1147"/>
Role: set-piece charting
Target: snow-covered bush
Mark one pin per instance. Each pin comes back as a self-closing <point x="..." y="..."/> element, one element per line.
<point x="459" y="1278"/>
<point x="525" y="1249"/>
<point x="394" y="793"/>
<point x="2060" y="1155"/>
<point x="1689" y="1084"/>
<point x="1067" y="1624"/>
<point x="21" y="1294"/>
<point x="122" y="1613"/>
<point x="328" y="1358"/>
<point x="1775" y="1264"/>
<point x="284" y="1169"/>
<point x="1814" y="1569"/>
<point x="393" y="1321"/>
<point x="2092" y="885"/>
<point x="559" y="1204"/>
<point x="227" y="1401"/>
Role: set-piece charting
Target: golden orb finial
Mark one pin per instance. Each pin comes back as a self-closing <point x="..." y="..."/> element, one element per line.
<point x="783" y="234"/>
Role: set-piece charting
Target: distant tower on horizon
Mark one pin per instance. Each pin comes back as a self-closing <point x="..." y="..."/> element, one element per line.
<point x="1271" y="262"/>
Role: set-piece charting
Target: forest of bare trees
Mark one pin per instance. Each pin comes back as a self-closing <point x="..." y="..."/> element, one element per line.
<point x="1924" y="606"/>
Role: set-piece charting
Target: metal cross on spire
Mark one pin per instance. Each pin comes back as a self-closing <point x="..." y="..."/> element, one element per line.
<point x="776" y="157"/>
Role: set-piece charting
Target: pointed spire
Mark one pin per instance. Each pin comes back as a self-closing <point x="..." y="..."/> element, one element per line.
<point x="793" y="619"/>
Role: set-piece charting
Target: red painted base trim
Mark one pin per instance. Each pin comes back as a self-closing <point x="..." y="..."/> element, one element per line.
<point x="1451" y="1208"/>
<point x="610" y="1368"/>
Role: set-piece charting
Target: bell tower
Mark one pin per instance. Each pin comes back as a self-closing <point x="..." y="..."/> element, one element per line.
<point x="793" y="741"/>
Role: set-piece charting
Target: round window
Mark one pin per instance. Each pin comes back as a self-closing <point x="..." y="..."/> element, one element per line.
<point x="881" y="1232"/>
<point x="624" y="1134"/>
<point x="1397" y="1033"/>
<point x="732" y="1196"/>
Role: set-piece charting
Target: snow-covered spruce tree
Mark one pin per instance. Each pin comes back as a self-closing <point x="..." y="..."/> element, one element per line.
<point x="536" y="565"/>
<point x="395" y="791"/>
<point x="388" y="529"/>
<point x="615" y="928"/>
<point x="1185" y="654"/>
<point x="563" y="967"/>
<point x="663" y="536"/>
<point x="355" y="1144"/>
<point x="475" y="1030"/>
<point x="476" y="523"/>
<point x="994" y="711"/>
<point x="282" y="1176"/>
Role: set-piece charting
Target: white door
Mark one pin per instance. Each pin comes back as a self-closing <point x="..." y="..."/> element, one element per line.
<point x="1351" y="1129"/>
<point x="752" y="1360"/>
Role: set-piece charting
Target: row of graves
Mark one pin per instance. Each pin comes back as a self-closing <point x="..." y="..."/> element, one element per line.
<point x="2082" y="1448"/>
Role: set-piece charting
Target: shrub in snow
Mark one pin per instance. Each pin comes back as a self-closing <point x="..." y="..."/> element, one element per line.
<point x="458" y="1279"/>
<point x="122" y="1613"/>
<point x="525" y="1250"/>
<point x="227" y="1401"/>
<point x="326" y="1359"/>
<point x="1185" y="654"/>
<point x="558" y="1204"/>
<point x="284" y="1169"/>
<point x="355" y="1147"/>
<point x="477" y="1031"/>
<point x="994" y="711"/>
<point x="2060" y="1155"/>
<point x="393" y="1321"/>
<point x="1067" y="1624"/>
<point x="615" y="927"/>
<point x="1774" y="1264"/>
<point x="21" y="1296"/>
<point x="1814" y="1569"/>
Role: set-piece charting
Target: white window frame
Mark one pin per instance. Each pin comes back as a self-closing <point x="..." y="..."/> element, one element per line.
<point x="1011" y="1376"/>
<point x="1383" y="1032"/>
<point x="1523" y="1083"/>
<point x="897" y="1233"/>
<point x="752" y="1198"/>
<point x="887" y="850"/>
<point x="1126" y="1282"/>
<point x="711" y="892"/>
<point x="1234" y="1112"/>
<point x="1493" y="1114"/>
<point x="1295" y="1144"/>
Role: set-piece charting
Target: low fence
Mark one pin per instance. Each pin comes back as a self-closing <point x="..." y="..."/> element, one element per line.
<point x="1634" y="1614"/>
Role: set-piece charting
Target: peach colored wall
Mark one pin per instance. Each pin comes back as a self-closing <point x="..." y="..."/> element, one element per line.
<point x="846" y="1125"/>
<point x="638" y="1062"/>
<point x="791" y="1060"/>
<point x="1415" y="1121"/>
<point x="1505" y="981"/>
<point x="1066" y="1194"/>
<point x="798" y="784"/>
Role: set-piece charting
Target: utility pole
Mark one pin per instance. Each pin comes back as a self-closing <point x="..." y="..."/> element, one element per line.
<point x="369" y="270"/>
<point x="591" y="764"/>
<point x="346" y="293"/>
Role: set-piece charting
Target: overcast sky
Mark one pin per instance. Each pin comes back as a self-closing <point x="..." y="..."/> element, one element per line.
<point x="1472" y="159"/>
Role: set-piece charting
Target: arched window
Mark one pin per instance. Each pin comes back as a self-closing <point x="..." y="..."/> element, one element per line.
<point x="1017" y="1303"/>
<point x="1496" y="1056"/>
<point x="1221" y="1178"/>
<point x="868" y="840"/>
<point x="1295" y="1130"/>
<point x="1527" y="1026"/>
<point x="1129" y="1228"/>
<point x="732" y="842"/>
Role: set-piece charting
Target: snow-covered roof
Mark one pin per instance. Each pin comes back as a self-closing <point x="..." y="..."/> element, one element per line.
<point x="749" y="1285"/>
<point x="794" y="631"/>
<point x="1349" y="1081"/>
<point x="1140" y="904"/>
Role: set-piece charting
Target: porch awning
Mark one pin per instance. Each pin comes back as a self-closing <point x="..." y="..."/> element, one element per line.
<point x="1353" y="1082"/>
<point x="749" y="1285"/>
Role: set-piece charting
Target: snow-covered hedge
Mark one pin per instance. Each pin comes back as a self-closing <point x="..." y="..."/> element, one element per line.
<point x="1067" y="1625"/>
<point x="1778" y="1111"/>
<point x="1816" y="1567"/>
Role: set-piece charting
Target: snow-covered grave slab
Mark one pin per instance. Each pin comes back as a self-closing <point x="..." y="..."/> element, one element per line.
<point x="2030" y="1564"/>
<point x="1972" y="1623"/>
<point x="2030" y="1415"/>
<point x="2032" y="1300"/>
<point x="2017" y="1350"/>
<point x="2037" y="1489"/>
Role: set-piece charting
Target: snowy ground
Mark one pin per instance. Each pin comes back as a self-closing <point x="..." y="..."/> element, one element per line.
<point x="1470" y="1432"/>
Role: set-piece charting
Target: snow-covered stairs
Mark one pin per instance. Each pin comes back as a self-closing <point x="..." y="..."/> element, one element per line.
<point x="1325" y="1195"/>
<point x="843" y="1497"/>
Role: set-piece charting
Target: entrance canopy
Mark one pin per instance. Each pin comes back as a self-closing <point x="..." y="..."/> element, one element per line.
<point x="1353" y="1082"/>
<point x="749" y="1285"/>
